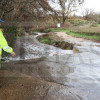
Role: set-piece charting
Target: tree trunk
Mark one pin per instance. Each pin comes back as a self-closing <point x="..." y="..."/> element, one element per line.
<point x="64" y="18"/>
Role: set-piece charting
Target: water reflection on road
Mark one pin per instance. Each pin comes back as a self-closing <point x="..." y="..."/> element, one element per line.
<point x="79" y="71"/>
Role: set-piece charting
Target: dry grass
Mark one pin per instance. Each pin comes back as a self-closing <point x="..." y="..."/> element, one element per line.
<point x="85" y="29"/>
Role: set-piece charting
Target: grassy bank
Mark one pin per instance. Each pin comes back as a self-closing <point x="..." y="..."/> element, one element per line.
<point x="88" y="35"/>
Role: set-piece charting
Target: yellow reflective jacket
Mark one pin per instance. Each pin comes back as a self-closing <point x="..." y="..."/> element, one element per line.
<point x="4" y="44"/>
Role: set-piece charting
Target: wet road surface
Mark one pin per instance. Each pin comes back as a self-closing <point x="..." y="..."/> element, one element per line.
<point x="43" y="72"/>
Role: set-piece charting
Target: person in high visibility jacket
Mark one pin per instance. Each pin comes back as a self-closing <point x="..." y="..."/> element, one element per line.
<point x="4" y="45"/>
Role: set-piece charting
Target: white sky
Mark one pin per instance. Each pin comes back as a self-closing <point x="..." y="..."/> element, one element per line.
<point x="88" y="4"/>
<point x="92" y="4"/>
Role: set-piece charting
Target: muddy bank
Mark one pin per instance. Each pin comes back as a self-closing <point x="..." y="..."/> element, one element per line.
<point x="52" y="39"/>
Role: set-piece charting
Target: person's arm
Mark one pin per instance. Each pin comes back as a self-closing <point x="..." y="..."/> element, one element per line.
<point x="4" y="44"/>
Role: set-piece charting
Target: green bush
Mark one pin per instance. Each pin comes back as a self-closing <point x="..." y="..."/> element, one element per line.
<point x="46" y="41"/>
<point x="11" y="33"/>
<point x="78" y="22"/>
<point x="11" y="30"/>
<point x="95" y="25"/>
<point x="99" y="22"/>
<point x="47" y="30"/>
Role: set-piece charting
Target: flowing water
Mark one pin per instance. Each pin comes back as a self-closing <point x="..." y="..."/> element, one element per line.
<point x="80" y="72"/>
<point x="32" y="48"/>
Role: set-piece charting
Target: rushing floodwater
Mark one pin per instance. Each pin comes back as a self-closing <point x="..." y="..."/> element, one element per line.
<point x="34" y="49"/>
<point x="79" y="71"/>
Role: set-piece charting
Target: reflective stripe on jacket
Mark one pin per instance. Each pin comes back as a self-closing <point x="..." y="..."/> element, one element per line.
<point x="4" y="44"/>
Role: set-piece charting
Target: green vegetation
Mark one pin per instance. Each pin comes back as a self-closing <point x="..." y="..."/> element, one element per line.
<point x="53" y="40"/>
<point x="88" y="35"/>
<point x="46" y="41"/>
<point x="95" y="25"/>
<point x="11" y="33"/>
<point x="78" y="22"/>
<point x="12" y="29"/>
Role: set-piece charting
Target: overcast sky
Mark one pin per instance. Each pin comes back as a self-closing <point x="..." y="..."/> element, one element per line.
<point x="88" y="4"/>
<point x="92" y="4"/>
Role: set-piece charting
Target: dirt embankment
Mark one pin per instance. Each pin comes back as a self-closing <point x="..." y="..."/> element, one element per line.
<point x="52" y="39"/>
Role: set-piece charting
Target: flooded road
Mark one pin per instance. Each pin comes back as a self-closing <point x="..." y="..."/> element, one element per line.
<point x="57" y="74"/>
<point x="29" y="47"/>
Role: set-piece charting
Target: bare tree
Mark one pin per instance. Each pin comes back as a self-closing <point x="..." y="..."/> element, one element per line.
<point x="90" y="14"/>
<point x="39" y="8"/>
<point x="87" y="12"/>
<point x="6" y="6"/>
<point x="20" y="10"/>
<point x="67" y="7"/>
